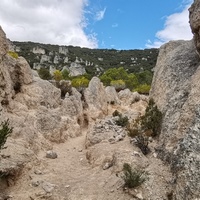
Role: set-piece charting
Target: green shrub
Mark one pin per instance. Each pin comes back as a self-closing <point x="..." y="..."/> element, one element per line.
<point x="122" y="121"/>
<point x="116" y="113"/>
<point x="80" y="83"/>
<point x="143" y="89"/>
<point x="142" y="143"/>
<point x="65" y="74"/>
<point x="152" y="120"/>
<point x="5" y="130"/>
<point x="118" y="85"/>
<point x="57" y="75"/>
<point x="133" y="177"/>
<point x="149" y="124"/>
<point x="134" y="128"/>
<point x="13" y="54"/>
<point x="44" y="74"/>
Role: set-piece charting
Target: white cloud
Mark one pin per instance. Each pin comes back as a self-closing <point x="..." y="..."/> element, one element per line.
<point x="46" y="21"/>
<point x="100" y="14"/>
<point x="176" y="28"/>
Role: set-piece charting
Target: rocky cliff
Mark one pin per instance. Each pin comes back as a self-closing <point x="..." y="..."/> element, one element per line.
<point x="176" y="91"/>
<point x="35" y="110"/>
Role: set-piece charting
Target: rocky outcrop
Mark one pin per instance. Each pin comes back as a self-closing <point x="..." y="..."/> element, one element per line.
<point x="3" y="43"/>
<point x="76" y="69"/>
<point x="96" y="98"/>
<point x="176" y="91"/>
<point x="112" y="96"/>
<point x="128" y="97"/>
<point x="195" y="22"/>
<point x="35" y="110"/>
<point x="105" y="130"/>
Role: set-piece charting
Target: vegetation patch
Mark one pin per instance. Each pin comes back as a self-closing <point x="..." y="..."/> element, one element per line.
<point x="121" y="120"/>
<point x="145" y="126"/>
<point x="5" y="131"/>
<point x="152" y="120"/>
<point x="13" y="54"/>
<point x="133" y="177"/>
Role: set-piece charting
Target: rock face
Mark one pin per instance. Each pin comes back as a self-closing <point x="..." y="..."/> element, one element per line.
<point x="35" y="109"/>
<point x="76" y="69"/>
<point x="176" y="91"/>
<point x="195" y="22"/>
<point x="3" y="43"/>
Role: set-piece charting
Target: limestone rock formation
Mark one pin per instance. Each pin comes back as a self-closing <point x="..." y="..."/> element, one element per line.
<point x="35" y="109"/>
<point x="194" y="22"/>
<point x="3" y="43"/>
<point x="96" y="98"/>
<point x="128" y="97"/>
<point x="112" y="95"/>
<point x="176" y="91"/>
<point x="76" y="69"/>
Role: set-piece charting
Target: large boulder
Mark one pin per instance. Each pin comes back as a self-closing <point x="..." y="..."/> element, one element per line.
<point x="96" y="98"/>
<point x="127" y="97"/>
<point x="195" y="22"/>
<point x="112" y="96"/>
<point x="176" y="91"/>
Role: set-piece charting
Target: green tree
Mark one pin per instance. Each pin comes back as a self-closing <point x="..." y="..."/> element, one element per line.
<point x="114" y="74"/>
<point x="131" y="81"/>
<point x="44" y="74"/>
<point x="145" y="77"/>
<point x="57" y="75"/>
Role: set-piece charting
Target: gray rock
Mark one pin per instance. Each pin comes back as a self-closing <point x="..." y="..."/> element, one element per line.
<point x="48" y="187"/>
<point x="176" y="91"/>
<point x="195" y="22"/>
<point x="112" y="96"/>
<point x="51" y="154"/>
<point x="96" y="98"/>
<point x="76" y="69"/>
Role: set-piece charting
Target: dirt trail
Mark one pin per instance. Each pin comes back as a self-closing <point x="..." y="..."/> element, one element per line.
<point x="71" y="177"/>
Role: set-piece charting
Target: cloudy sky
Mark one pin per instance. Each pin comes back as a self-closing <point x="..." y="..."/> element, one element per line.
<point x="119" y="24"/>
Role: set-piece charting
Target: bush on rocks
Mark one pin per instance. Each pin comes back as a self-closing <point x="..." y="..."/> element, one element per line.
<point x="133" y="177"/>
<point x="5" y="131"/>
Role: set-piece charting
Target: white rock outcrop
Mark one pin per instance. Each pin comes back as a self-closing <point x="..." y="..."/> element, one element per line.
<point x="96" y="99"/>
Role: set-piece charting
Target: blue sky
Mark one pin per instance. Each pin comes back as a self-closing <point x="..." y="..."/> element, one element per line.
<point x="118" y="24"/>
<point x="131" y="23"/>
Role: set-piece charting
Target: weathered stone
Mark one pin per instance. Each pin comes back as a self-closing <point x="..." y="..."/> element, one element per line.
<point x="48" y="187"/>
<point x="127" y="97"/>
<point x="176" y="91"/>
<point x="3" y="44"/>
<point x="51" y="154"/>
<point x="112" y="95"/>
<point x="96" y="98"/>
<point x="76" y="69"/>
<point x="195" y="22"/>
